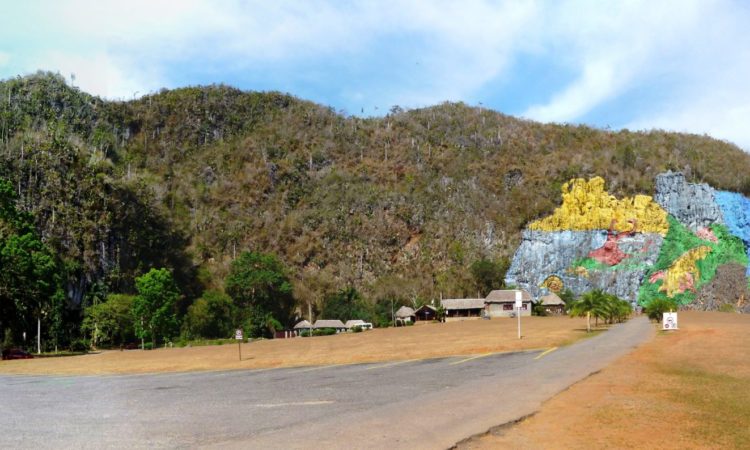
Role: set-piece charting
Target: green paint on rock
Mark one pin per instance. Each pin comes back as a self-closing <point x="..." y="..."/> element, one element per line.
<point x="679" y="240"/>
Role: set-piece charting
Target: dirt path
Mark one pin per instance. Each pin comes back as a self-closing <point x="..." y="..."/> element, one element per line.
<point x="420" y="341"/>
<point x="684" y="389"/>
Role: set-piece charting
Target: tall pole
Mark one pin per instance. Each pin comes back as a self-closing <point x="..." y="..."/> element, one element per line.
<point x="519" y="323"/>
<point x="519" y="304"/>
<point x="309" y="316"/>
<point x="393" y="316"/>
<point x="38" y="335"/>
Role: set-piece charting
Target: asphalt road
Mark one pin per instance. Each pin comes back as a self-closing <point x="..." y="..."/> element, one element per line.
<point x="414" y="404"/>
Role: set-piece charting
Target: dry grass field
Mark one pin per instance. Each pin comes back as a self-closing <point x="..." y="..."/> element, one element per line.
<point x="428" y="340"/>
<point x="685" y="389"/>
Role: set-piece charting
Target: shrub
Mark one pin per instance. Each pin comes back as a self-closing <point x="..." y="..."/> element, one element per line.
<point x="356" y="329"/>
<point x="727" y="307"/>
<point x="324" y="332"/>
<point x="658" y="306"/>
<point x="79" y="345"/>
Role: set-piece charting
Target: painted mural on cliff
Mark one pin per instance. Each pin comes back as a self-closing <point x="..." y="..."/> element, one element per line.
<point x="639" y="248"/>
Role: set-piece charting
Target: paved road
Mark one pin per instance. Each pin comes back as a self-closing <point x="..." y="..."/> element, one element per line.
<point x="416" y="404"/>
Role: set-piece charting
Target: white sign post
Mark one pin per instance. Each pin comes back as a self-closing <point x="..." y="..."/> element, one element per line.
<point x="519" y="305"/>
<point x="669" y="321"/>
<point x="238" y="336"/>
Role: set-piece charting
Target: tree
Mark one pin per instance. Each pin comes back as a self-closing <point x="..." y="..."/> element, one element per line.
<point x="111" y="321"/>
<point x="29" y="273"/>
<point x="658" y="306"/>
<point x="211" y="316"/>
<point x="259" y="285"/>
<point x="346" y="304"/>
<point x="154" y="310"/>
<point x="588" y="304"/>
<point x="489" y="275"/>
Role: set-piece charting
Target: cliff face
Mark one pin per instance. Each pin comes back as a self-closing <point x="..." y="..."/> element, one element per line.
<point x="673" y="245"/>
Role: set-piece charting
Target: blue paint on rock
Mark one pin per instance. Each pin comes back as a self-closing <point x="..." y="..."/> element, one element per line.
<point x="736" y="210"/>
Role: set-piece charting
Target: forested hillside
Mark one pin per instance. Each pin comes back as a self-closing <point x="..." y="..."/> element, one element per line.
<point x="397" y="207"/>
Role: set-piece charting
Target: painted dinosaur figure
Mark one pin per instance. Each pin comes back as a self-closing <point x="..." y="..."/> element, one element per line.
<point x="683" y="272"/>
<point x="610" y="253"/>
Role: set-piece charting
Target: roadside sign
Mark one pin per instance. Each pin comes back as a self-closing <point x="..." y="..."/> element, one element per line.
<point x="238" y="336"/>
<point x="519" y="305"/>
<point x="669" y="321"/>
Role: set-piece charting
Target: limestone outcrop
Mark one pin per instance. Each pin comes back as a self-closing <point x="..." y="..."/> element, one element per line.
<point x="694" y="205"/>
<point x="638" y="248"/>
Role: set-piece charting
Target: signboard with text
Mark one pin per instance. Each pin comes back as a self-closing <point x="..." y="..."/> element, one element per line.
<point x="238" y="334"/>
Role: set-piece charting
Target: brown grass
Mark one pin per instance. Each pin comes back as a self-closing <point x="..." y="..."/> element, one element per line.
<point x="429" y="340"/>
<point x="686" y="389"/>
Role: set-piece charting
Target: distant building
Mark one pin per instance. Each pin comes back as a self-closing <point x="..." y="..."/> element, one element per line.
<point x="336" y="324"/>
<point x="462" y="308"/>
<point x="501" y="303"/>
<point x="301" y="326"/>
<point x="426" y="313"/>
<point x="405" y="314"/>
<point x="552" y="304"/>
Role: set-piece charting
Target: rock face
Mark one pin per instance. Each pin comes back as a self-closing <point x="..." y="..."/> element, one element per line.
<point x="729" y="287"/>
<point x="736" y="212"/>
<point x="679" y="245"/>
<point x="694" y="205"/>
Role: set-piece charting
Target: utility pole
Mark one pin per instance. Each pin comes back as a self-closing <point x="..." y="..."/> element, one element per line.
<point x="393" y="315"/>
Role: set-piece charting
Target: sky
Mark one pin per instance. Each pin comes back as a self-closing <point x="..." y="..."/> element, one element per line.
<point x="673" y="65"/>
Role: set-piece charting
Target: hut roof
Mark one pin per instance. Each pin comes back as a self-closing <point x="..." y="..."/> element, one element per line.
<point x="302" y="324"/>
<point x="507" y="295"/>
<point x="451" y="304"/>
<point x="430" y="307"/>
<point x="323" y="323"/>
<point x="404" y="312"/>
<point x="551" y="299"/>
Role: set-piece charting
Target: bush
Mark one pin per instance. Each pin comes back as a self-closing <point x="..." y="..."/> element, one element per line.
<point x="658" y="306"/>
<point x="305" y="333"/>
<point x="356" y="329"/>
<point x="727" y="307"/>
<point x="324" y="332"/>
<point x="538" y="310"/>
<point x="79" y="345"/>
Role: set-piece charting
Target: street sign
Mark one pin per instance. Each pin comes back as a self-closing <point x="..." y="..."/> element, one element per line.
<point x="238" y="336"/>
<point x="669" y="321"/>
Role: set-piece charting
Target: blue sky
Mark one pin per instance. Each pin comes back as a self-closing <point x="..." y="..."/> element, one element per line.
<point x="675" y="65"/>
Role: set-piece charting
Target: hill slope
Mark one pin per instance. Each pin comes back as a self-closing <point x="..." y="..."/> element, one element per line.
<point x="399" y="205"/>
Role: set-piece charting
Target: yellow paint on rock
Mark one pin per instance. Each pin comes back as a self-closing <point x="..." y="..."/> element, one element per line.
<point x="587" y="206"/>
<point x="680" y="275"/>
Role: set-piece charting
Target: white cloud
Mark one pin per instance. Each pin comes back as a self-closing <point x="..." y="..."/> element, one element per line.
<point x="613" y="47"/>
<point x="4" y="58"/>
<point x="100" y="74"/>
